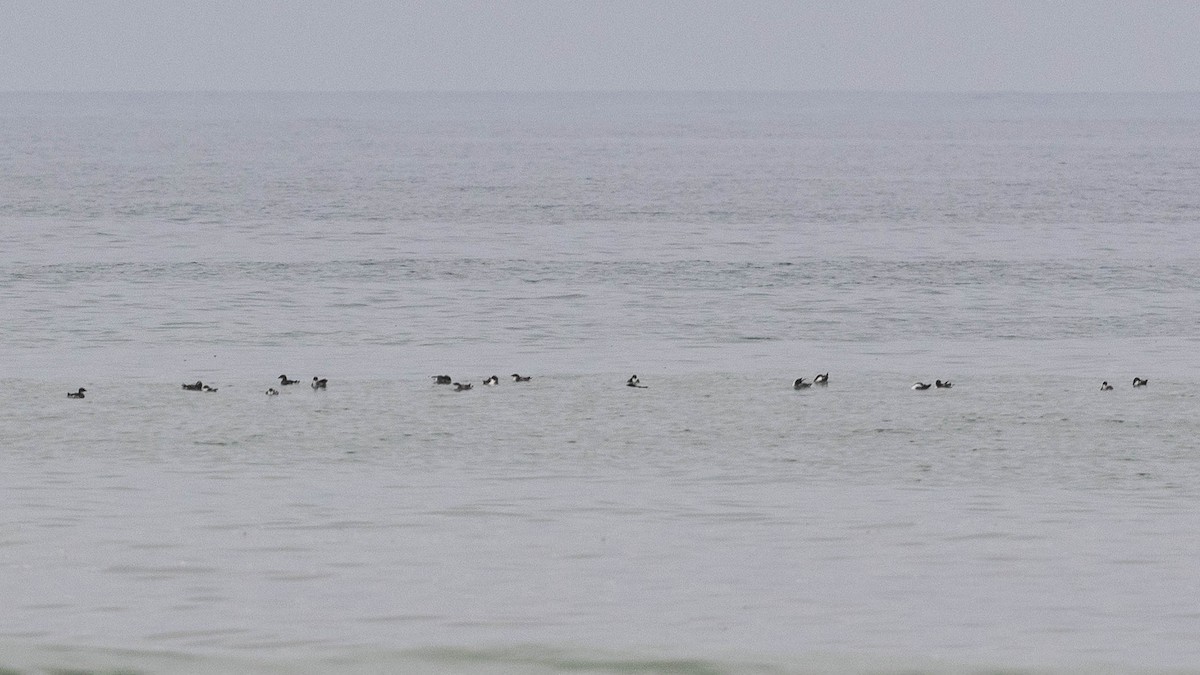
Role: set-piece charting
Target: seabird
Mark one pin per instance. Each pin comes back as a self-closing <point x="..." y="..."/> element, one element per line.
<point x="519" y="378"/>
<point x="821" y="379"/>
<point x="283" y="380"/>
<point x="441" y="379"/>
<point x="942" y="385"/>
<point x="633" y="381"/>
<point x="272" y="392"/>
<point x="76" y="394"/>
<point x="319" y="383"/>
<point x="458" y="386"/>
<point x="921" y="386"/>
<point x="493" y="380"/>
<point x="1105" y="386"/>
<point x="1139" y="382"/>
<point x="194" y="387"/>
<point x="208" y="388"/>
<point x="801" y="384"/>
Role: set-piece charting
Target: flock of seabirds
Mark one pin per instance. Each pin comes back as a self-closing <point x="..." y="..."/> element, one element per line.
<point x="821" y="379"/>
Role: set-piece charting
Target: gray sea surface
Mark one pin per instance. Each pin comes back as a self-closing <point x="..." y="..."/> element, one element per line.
<point x="1024" y="247"/>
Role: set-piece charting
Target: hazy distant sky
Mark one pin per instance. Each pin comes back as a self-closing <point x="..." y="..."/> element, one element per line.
<point x="956" y="45"/>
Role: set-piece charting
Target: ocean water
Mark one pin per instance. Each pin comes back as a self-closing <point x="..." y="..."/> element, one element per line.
<point x="718" y="245"/>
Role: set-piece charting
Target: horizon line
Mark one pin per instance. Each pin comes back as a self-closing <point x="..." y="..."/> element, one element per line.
<point x="923" y="92"/>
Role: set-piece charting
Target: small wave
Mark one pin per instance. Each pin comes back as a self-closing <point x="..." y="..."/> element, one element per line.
<point x="525" y="660"/>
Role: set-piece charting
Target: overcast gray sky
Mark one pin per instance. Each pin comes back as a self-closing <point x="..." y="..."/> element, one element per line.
<point x="951" y="45"/>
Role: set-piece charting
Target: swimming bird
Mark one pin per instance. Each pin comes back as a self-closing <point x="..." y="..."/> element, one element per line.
<point x="284" y="381"/>
<point x="194" y="387"/>
<point x="921" y="386"/>
<point x="942" y="385"/>
<point x="492" y="381"/>
<point x="272" y="392"/>
<point x="519" y="378"/>
<point x="208" y="388"/>
<point x="633" y="381"/>
<point x="441" y="379"/>
<point x="801" y="384"/>
<point x="1105" y="386"/>
<point x="1139" y="382"/>
<point x="76" y="394"/>
<point x="319" y="383"/>
<point x="458" y="386"/>
<point x="821" y="379"/>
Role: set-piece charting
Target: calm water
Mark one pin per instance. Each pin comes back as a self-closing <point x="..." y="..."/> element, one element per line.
<point x="1025" y="247"/>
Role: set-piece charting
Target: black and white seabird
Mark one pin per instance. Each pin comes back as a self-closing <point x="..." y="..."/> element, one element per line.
<point x="458" y="386"/>
<point x="1105" y="386"/>
<point x="633" y="381"/>
<point x="76" y="394"/>
<point x="194" y="387"/>
<point x="801" y="384"/>
<point x="492" y="381"/>
<point x="520" y="378"/>
<point x="284" y="381"/>
<point x="319" y="383"/>
<point x="921" y="386"/>
<point x="272" y="392"/>
<point x="1139" y="382"/>
<point x="942" y="385"/>
<point x="441" y="379"/>
<point x="208" y="388"/>
<point x="823" y="378"/>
